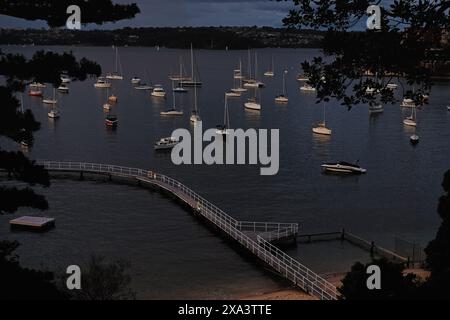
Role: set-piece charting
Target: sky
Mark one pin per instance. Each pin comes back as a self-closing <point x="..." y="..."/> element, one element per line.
<point x="168" y="13"/>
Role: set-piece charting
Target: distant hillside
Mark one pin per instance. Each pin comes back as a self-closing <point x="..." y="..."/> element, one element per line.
<point x="204" y="37"/>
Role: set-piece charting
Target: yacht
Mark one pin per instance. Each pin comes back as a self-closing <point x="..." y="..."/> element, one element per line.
<point x="343" y="167"/>
<point x="302" y="78"/>
<point x="54" y="113"/>
<point x="376" y="108"/>
<point x="135" y="81"/>
<point x="37" y="85"/>
<point x="35" y="93"/>
<point x="191" y="82"/>
<point x="63" y="88"/>
<point x="411" y="120"/>
<point x="307" y="88"/>
<point x="111" y="120"/>
<point x="195" y="116"/>
<point x="252" y="104"/>
<point x="143" y="86"/>
<point x="392" y="86"/>
<point x="322" y="127"/>
<point x="65" y="78"/>
<point x="102" y="83"/>
<point x="158" y="91"/>
<point x="116" y="75"/>
<point x="270" y="72"/>
<point x="414" y="139"/>
<point x="408" y="103"/>
<point x="166" y="143"/>
<point x="53" y="100"/>
<point x="222" y="129"/>
<point x="173" y="111"/>
<point x="282" y="98"/>
<point x="233" y="94"/>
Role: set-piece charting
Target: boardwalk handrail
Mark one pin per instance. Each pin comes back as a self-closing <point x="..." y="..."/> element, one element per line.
<point x="290" y="268"/>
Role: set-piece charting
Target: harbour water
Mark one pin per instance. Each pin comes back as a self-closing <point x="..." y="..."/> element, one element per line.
<point x="172" y="255"/>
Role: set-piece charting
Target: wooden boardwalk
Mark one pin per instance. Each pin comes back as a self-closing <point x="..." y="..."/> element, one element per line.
<point x="256" y="237"/>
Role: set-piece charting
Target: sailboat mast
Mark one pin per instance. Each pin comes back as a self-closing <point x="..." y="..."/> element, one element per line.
<point x="173" y="95"/>
<point x="256" y="65"/>
<point x="249" y="65"/>
<point x="195" y="100"/>
<point x="192" y="62"/>
<point x="284" y="83"/>
<point x="116" y="61"/>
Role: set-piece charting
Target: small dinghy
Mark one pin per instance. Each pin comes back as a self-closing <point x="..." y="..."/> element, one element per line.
<point x="343" y="167"/>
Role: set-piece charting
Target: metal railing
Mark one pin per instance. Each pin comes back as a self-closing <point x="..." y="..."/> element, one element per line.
<point x="288" y="267"/>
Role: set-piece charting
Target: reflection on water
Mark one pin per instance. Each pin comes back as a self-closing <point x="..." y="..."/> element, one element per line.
<point x="396" y="197"/>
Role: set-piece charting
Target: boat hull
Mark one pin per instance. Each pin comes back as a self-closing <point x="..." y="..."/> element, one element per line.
<point x="252" y="106"/>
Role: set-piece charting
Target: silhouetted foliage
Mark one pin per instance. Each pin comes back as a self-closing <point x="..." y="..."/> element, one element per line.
<point x="407" y="48"/>
<point x="394" y="284"/>
<point x="19" y="283"/>
<point x="438" y="250"/>
<point x="103" y="280"/>
<point x="54" y="11"/>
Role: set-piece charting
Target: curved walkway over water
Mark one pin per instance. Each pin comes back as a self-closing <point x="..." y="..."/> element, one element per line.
<point x="256" y="237"/>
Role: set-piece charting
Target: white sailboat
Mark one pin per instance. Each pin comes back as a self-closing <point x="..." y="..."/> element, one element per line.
<point x="252" y="103"/>
<point x="195" y="116"/>
<point x="54" y="113"/>
<point x="51" y="100"/>
<point x="116" y="75"/>
<point x="107" y="105"/>
<point x="180" y="88"/>
<point x="411" y="120"/>
<point x="282" y="98"/>
<point x="322" y="127"/>
<point x="238" y="76"/>
<point x="192" y="81"/>
<point x="223" y="129"/>
<point x="63" y="88"/>
<point x="173" y="111"/>
<point x="254" y="83"/>
<point x="270" y="72"/>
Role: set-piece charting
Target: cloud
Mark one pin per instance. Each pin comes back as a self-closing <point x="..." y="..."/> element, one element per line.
<point x="166" y="13"/>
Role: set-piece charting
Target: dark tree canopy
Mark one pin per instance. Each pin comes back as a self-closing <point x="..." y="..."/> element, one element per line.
<point x="18" y="282"/>
<point x="54" y="11"/>
<point x="408" y="48"/>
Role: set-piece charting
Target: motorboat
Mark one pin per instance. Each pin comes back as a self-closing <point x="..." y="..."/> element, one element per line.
<point x="376" y="108"/>
<point x="302" y="78"/>
<point x="111" y="120"/>
<point x="166" y="143"/>
<point x="102" y="83"/>
<point x="343" y="167"/>
<point x="135" y="81"/>
<point x="414" y="139"/>
<point x="63" y="88"/>
<point x="35" y="93"/>
<point x="158" y="92"/>
<point x="53" y="114"/>
<point x="65" y="78"/>
<point x="37" y="85"/>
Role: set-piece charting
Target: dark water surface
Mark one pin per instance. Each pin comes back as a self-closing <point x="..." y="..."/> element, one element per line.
<point x="174" y="256"/>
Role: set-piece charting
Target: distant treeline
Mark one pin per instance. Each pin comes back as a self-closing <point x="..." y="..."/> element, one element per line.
<point x="202" y="37"/>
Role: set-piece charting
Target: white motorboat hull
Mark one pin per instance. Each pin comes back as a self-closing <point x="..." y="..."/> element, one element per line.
<point x="307" y="89"/>
<point x="158" y="94"/>
<point x="269" y="74"/>
<point x="102" y="85"/>
<point x="233" y="94"/>
<point x="49" y="101"/>
<point x="143" y="88"/>
<point x="238" y="90"/>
